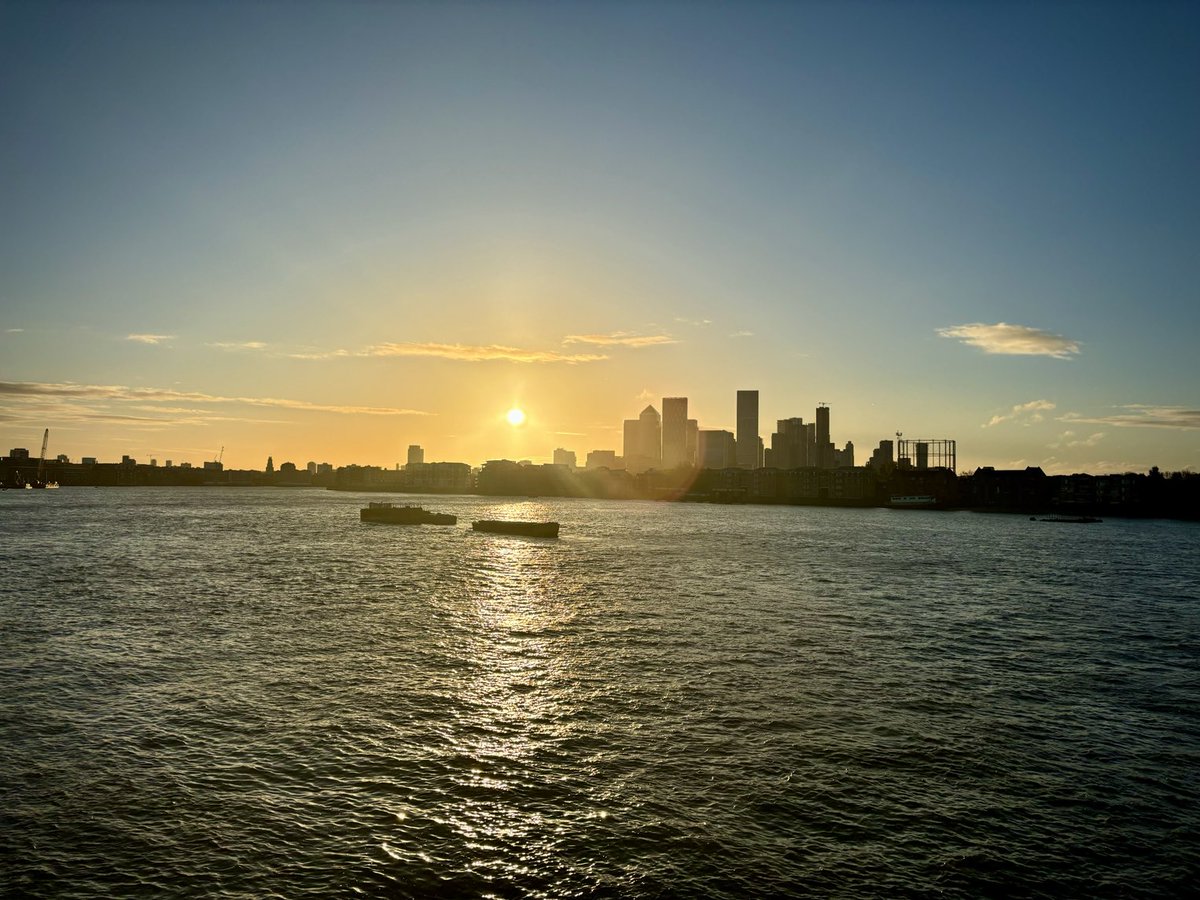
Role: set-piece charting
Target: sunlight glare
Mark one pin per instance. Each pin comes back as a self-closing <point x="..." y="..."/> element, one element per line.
<point x="515" y="416"/>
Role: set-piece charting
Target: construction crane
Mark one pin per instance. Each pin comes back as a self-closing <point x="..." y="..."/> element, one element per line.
<point x="221" y="455"/>
<point x="41" y="475"/>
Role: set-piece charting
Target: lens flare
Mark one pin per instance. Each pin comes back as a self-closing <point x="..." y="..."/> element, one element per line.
<point x="515" y="417"/>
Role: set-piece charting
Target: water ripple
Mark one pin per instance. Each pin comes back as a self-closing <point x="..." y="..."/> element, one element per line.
<point x="247" y="693"/>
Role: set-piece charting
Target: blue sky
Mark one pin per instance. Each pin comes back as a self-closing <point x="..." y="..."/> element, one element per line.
<point x="326" y="231"/>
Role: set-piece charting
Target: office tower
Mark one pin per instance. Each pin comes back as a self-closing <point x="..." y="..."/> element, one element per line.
<point x="650" y="431"/>
<point x="749" y="444"/>
<point x="824" y="458"/>
<point x="691" y="444"/>
<point x="716" y="449"/>
<point x="674" y="431"/>
<point x="564" y="458"/>
<point x="922" y="455"/>
<point x="884" y="455"/>
<point x="631" y="443"/>
<point x="789" y="444"/>
<point x="602" y="459"/>
<point x="643" y="441"/>
<point x="416" y="455"/>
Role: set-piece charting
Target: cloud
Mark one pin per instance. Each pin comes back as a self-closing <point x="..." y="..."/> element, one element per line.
<point x="323" y="354"/>
<point x="1068" y="439"/>
<point x="1032" y="411"/>
<point x="150" y="338"/>
<point x="742" y="334"/>
<point x="473" y="353"/>
<point x="1142" y="416"/>
<point x="238" y="345"/>
<point x="13" y="330"/>
<point x="26" y="390"/>
<point x="698" y="323"/>
<point x="621" y="339"/>
<point x="1012" y="340"/>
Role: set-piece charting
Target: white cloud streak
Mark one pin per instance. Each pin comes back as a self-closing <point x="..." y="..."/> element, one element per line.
<point x="621" y="339"/>
<point x="1030" y="412"/>
<point x="238" y="345"/>
<point x="481" y="353"/>
<point x="1139" y="415"/>
<point x="1012" y="340"/>
<point x="149" y="338"/>
<point x="27" y="391"/>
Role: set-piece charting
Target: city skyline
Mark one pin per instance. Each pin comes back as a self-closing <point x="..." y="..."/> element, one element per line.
<point x="335" y="232"/>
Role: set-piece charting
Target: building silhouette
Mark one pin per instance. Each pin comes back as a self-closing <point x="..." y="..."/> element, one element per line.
<point x="749" y="444"/>
<point x="790" y="444"/>
<point x="824" y="457"/>
<point x="564" y="457"/>
<point x="643" y="441"/>
<point x="416" y="455"/>
<point x="674" y="431"/>
<point x="602" y="459"/>
<point x="716" y="449"/>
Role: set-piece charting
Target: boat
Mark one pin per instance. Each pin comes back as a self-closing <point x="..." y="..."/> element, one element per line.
<point x="913" y="501"/>
<point x="1070" y="520"/>
<point x="528" y="529"/>
<point x="404" y="514"/>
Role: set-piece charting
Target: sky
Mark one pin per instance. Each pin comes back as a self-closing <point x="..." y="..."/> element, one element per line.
<point x="327" y="231"/>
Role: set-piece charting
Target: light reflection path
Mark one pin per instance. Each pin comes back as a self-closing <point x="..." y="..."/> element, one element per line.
<point x="518" y="782"/>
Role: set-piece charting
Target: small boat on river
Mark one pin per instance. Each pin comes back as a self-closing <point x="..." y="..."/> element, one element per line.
<point x="404" y="514"/>
<point x="528" y="529"/>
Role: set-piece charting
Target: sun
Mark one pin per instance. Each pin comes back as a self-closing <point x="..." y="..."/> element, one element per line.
<point x="515" y="417"/>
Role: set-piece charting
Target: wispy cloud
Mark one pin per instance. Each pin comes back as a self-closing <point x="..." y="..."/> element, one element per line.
<point x="1028" y="412"/>
<point x="1138" y="415"/>
<point x="150" y="338"/>
<point x="322" y="354"/>
<point x="28" y="390"/>
<point x="477" y="353"/>
<point x="238" y="345"/>
<point x="1012" y="340"/>
<point x="698" y="323"/>
<point x="13" y="330"/>
<point x="1069" y="439"/>
<point x="621" y="339"/>
<point x="742" y="334"/>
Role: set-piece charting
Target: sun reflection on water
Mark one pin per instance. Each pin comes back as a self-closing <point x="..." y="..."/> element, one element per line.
<point x="522" y="688"/>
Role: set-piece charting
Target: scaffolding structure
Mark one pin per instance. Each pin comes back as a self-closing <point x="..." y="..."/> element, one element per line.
<point x="927" y="453"/>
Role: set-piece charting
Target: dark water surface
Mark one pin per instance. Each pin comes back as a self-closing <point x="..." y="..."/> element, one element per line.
<point x="248" y="693"/>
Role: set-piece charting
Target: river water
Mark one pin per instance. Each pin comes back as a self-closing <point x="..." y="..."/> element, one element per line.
<point x="248" y="693"/>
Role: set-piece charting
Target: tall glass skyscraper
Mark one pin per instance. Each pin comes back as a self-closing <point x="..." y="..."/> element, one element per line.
<point x="749" y="444"/>
<point x="674" y="431"/>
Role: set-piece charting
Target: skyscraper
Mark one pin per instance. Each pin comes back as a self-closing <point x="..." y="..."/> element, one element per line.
<point x="749" y="444"/>
<point x="674" y="431"/>
<point x="789" y="444"/>
<point x="650" y="427"/>
<point x="416" y="455"/>
<point x="643" y="441"/>
<point x="715" y="449"/>
<point x="824" y="447"/>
